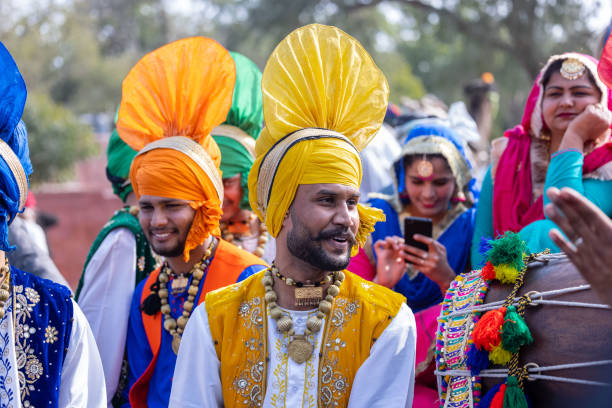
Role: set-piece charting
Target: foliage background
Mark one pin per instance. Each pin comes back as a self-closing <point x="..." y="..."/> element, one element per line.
<point x="75" y="53"/>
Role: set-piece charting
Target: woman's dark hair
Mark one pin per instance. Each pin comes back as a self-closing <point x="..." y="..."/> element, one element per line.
<point x="556" y="67"/>
<point x="411" y="158"/>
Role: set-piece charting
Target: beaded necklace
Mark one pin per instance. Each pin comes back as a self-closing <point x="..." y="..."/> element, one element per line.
<point x="173" y="326"/>
<point x="262" y="238"/>
<point x="299" y="348"/>
<point x="306" y="293"/>
<point x="5" y="278"/>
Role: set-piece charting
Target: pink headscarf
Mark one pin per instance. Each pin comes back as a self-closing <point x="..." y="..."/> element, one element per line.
<point x="513" y="204"/>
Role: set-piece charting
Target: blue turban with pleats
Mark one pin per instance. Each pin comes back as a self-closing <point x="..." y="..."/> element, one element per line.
<point x="15" y="165"/>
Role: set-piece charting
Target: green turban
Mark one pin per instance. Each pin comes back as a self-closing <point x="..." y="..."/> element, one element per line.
<point x="236" y="136"/>
<point x="119" y="156"/>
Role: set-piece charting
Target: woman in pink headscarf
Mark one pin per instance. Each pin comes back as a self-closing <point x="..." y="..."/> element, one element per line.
<point x="562" y="141"/>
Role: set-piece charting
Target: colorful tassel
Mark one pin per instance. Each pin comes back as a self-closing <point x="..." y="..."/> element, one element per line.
<point x="484" y="246"/>
<point x="500" y="355"/>
<point x="488" y="271"/>
<point x="515" y="333"/>
<point x="507" y="249"/>
<point x="498" y="398"/>
<point x="506" y="273"/>
<point x="486" y="334"/>
<point x="477" y="359"/>
<point x="514" y="396"/>
<point x="485" y="401"/>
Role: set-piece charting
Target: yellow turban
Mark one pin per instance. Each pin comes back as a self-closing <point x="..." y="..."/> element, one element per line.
<point x="324" y="99"/>
<point x="171" y="100"/>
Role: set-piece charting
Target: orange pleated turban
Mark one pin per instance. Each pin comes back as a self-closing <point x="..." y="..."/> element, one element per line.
<point x="324" y="99"/>
<point x="171" y="100"/>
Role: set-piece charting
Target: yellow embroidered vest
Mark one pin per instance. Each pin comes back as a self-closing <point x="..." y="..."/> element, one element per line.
<point x="237" y="319"/>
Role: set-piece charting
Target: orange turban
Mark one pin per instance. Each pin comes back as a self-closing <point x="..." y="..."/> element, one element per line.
<point x="171" y="100"/>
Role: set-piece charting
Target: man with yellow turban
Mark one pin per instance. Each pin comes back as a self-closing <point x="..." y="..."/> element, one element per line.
<point x="306" y="332"/>
<point x="171" y="101"/>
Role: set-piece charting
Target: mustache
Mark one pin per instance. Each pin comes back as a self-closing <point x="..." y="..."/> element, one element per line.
<point x="337" y="233"/>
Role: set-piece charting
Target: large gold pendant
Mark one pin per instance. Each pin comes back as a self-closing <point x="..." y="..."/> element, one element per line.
<point x="308" y="296"/>
<point x="179" y="284"/>
<point x="299" y="349"/>
<point x="176" y="342"/>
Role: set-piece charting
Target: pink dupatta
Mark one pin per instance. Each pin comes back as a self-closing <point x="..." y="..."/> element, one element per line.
<point x="513" y="204"/>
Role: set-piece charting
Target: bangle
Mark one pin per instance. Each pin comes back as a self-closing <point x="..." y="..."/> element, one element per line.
<point x="559" y="152"/>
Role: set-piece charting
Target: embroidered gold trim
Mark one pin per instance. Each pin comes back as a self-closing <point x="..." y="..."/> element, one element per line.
<point x="237" y="134"/>
<point x="195" y="152"/>
<point x="273" y="158"/>
<point x="14" y="164"/>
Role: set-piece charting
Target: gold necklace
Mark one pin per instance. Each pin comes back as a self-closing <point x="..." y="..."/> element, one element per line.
<point x="299" y="348"/>
<point x="5" y="278"/>
<point x="262" y="238"/>
<point x="305" y="293"/>
<point x="173" y="326"/>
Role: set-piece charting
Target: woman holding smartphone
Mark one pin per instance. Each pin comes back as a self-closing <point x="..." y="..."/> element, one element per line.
<point x="432" y="180"/>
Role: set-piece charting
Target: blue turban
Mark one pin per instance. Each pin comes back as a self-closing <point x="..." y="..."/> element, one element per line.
<point x="13" y="132"/>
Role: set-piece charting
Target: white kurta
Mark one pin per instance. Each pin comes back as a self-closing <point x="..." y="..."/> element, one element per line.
<point x="82" y="381"/>
<point x="105" y="298"/>
<point x="385" y="379"/>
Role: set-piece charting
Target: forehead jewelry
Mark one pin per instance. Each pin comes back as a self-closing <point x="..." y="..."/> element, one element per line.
<point x="424" y="168"/>
<point x="572" y="69"/>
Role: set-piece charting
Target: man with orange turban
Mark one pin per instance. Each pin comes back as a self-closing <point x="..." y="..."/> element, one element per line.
<point x="306" y="332"/>
<point x="171" y="100"/>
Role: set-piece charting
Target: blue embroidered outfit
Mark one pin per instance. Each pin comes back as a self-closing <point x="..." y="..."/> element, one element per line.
<point x="454" y="231"/>
<point x="48" y="356"/>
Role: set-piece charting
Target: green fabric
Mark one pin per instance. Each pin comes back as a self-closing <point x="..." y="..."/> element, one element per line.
<point x="123" y="219"/>
<point x="119" y="159"/>
<point x="246" y="113"/>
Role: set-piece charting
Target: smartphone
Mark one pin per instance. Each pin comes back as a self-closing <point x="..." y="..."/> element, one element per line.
<point x="417" y="225"/>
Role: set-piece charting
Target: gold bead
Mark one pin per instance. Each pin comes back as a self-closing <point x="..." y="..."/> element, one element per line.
<point x="325" y="306"/>
<point x="289" y="281"/>
<point x="273" y="305"/>
<point x="267" y="280"/>
<point x="188" y="306"/>
<point x="207" y="253"/>
<point x="165" y="309"/>
<point x="314" y="324"/>
<point x="270" y="297"/>
<point x="284" y="324"/>
<point x="307" y="332"/>
<point x="193" y="290"/>
<point x="163" y="277"/>
<point x="340" y="276"/>
<point x="258" y="252"/>
<point x="163" y="293"/>
<point x="291" y="332"/>
<point x="329" y="298"/>
<point x="320" y="314"/>
<point x="337" y="283"/>
<point x="169" y="324"/>
<point x="276" y="313"/>
<point x="333" y="290"/>
<point x="4" y="295"/>
<point x="198" y="274"/>
<point x="181" y="322"/>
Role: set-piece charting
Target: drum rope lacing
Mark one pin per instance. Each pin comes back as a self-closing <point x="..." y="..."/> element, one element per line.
<point x="530" y="371"/>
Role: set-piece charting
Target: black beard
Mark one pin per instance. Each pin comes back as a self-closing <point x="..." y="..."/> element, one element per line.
<point x="171" y="253"/>
<point x="308" y="248"/>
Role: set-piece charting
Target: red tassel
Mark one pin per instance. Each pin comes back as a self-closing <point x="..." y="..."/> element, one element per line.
<point x="487" y="331"/>
<point x="498" y="399"/>
<point x="488" y="271"/>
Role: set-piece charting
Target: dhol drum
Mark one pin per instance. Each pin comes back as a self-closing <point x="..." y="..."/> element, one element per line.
<point x="567" y="364"/>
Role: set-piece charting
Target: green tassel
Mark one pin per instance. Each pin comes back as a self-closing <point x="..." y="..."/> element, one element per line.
<point x="515" y="333"/>
<point x="514" y="396"/>
<point x="507" y="249"/>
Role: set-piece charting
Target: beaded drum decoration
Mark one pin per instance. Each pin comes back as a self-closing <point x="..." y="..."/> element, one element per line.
<point x="454" y="340"/>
